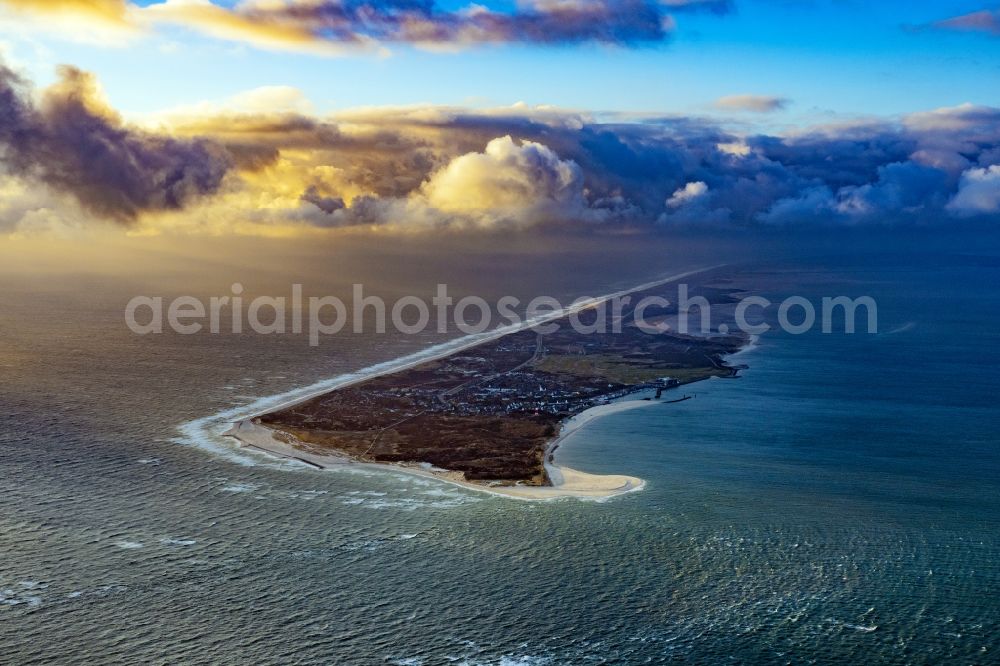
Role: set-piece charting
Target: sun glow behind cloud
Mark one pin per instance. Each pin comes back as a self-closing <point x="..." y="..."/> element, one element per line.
<point x="335" y="27"/>
<point x="265" y="163"/>
<point x="270" y="161"/>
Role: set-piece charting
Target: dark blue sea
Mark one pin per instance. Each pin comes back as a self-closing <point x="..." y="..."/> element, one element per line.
<point x="839" y="503"/>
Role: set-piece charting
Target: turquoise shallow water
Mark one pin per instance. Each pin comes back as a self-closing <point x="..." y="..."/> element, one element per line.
<point x="840" y="502"/>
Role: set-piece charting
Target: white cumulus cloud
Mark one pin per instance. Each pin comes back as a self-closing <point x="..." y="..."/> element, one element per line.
<point x="687" y="194"/>
<point x="526" y="179"/>
<point x="978" y="192"/>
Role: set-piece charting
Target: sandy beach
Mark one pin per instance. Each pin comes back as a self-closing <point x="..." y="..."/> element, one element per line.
<point x="566" y="482"/>
<point x="437" y="352"/>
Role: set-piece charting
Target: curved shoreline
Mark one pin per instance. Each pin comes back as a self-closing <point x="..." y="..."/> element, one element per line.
<point x="437" y="352"/>
<point x="566" y="482"/>
<point x="571" y="482"/>
<point x="578" y="422"/>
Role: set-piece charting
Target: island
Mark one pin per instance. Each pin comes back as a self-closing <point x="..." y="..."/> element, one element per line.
<point x="491" y="416"/>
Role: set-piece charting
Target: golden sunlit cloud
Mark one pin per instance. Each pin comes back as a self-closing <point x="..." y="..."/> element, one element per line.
<point x="506" y="177"/>
<point x="113" y="11"/>
<point x="99" y="22"/>
<point x="264" y="162"/>
<point x="333" y="27"/>
<point x="222" y="23"/>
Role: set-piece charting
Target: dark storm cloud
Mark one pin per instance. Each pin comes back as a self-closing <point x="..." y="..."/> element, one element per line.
<point x="518" y="166"/>
<point x="73" y="143"/>
<point x="331" y="27"/>
<point x="873" y="173"/>
<point x="622" y="22"/>
<point x="326" y="203"/>
<point x="675" y="170"/>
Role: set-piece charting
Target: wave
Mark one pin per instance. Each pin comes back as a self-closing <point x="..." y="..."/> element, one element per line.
<point x="908" y="326"/>
<point x="751" y="345"/>
<point x="860" y="627"/>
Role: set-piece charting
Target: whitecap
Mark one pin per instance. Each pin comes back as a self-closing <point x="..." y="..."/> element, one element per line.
<point x="306" y="494"/>
<point x="239" y="488"/>
<point x="908" y="326"/>
<point x="861" y="627"/>
<point x="441" y="492"/>
<point x="525" y="660"/>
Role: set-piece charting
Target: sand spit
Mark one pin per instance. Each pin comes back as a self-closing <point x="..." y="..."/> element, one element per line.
<point x="566" y="482"/>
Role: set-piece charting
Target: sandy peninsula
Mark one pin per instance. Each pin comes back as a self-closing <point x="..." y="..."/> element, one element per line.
<point x="491" y="414"/>
<point x="566" y="482"/>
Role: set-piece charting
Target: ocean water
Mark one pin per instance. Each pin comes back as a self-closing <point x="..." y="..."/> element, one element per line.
<point x="838" y="503"/>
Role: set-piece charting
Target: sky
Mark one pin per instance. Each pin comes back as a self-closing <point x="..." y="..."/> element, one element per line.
<point x="299" y="116"/>
<point x="826" y="56"/>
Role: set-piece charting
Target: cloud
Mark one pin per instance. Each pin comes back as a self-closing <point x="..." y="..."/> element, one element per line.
<point x="74" y="143"/>
<point x="967" y="118"/>
<point x="110" y="11"/>
<point x="691" y="205"/>
<point x="432" y="167"/>
<point x="508" y="184"/>
<point x="900" y="192"/>
<point x="325" y="202"/>
<point x="901" y="187"/>
<point x="623" y="22"/>
<point x="257" y="23"/>
<point x="273" y="102"/>
<point x="25" y="209"/>
<point x="752" y="103"/>
<point x="331" y="27"/>
<point x="714" y="6"/>
<point x="506" y="176"/>
<point x="811" y="205"/>
<point x="987" y="21"/>
<point x="264" y="162"/>
<point x="687" y="194"/>
<point x="978" y="193"/>
<point x="269" y="99"/>
<point x="93" y="22"/>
